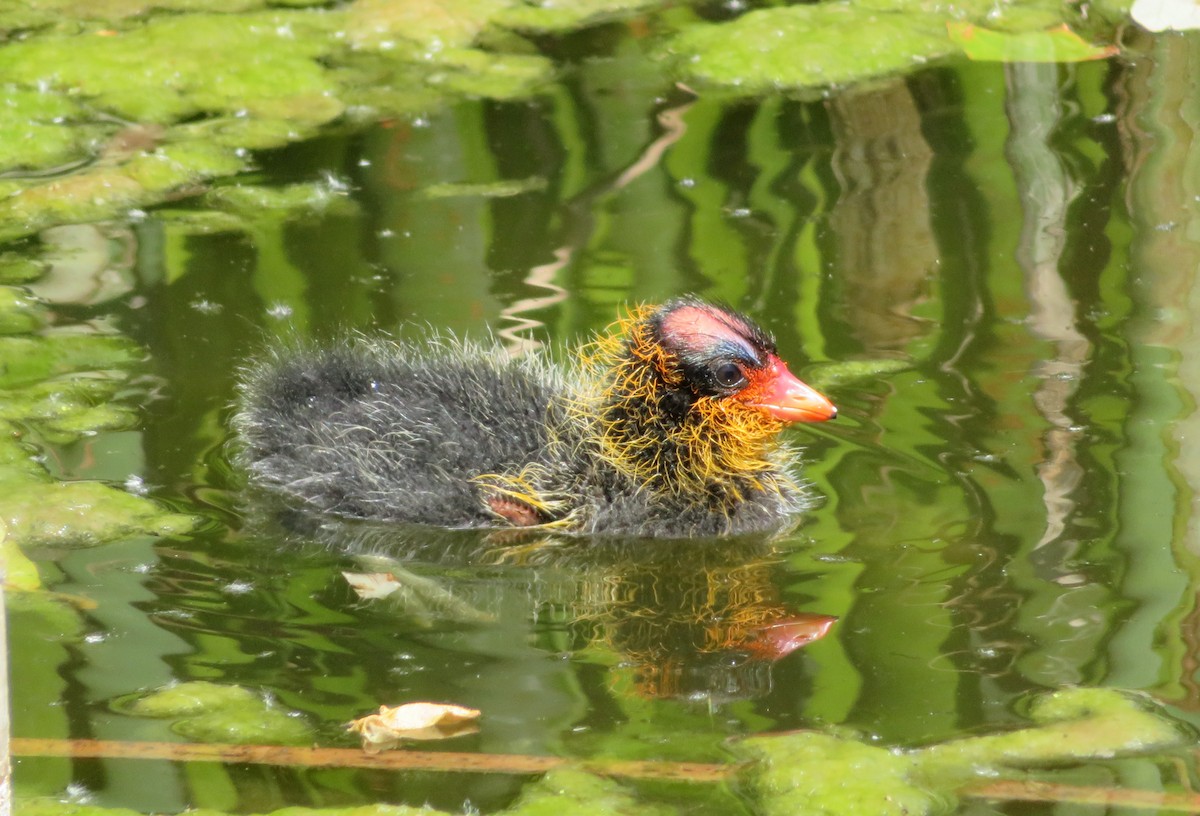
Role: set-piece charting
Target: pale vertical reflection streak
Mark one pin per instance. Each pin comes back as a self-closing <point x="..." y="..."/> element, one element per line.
<point x="887" y="251"/>
<point x="673" y="128"/>
<point x="1046" y="190"/>
<point x="1164" y="195"/>
<point x="1159" y="462"/>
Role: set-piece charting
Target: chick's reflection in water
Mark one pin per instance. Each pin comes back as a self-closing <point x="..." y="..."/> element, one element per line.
<point x="696" y="620"/>
<point x="674" y="619"/>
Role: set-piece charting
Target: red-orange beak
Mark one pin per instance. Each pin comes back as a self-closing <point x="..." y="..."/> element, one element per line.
<point x="788" y="399"/>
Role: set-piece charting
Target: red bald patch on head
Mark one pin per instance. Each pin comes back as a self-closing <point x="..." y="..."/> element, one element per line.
<point x="694" y="328"/>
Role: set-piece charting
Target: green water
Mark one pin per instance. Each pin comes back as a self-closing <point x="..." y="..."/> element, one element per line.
<point x="990" y="268"/>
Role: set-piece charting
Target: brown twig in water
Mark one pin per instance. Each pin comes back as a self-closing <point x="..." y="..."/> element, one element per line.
<point x="1014" y="790"/>
<point x="296" y="756"/>
<point x="461" y="762"/>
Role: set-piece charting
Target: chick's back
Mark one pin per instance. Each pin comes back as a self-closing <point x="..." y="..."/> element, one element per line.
<point x="377" y="429"/>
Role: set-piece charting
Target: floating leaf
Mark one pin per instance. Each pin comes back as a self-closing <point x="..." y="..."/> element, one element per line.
<point x="1059" y="44"/>
<point x="417" y="596"/>
<point x="414" y="721"/>
<point x="808" y="46"/>
<point x="497" y="189"/>
<point x="372" y="585"/>
<point x="827" y="375"/>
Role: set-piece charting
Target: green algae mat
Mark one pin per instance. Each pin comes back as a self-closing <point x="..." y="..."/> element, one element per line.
<point x="111" y="107"/>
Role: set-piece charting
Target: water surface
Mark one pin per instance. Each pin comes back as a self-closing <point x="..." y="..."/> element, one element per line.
<point x="1009" y="252"/>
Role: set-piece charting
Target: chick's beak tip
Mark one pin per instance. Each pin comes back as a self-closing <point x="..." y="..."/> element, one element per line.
<point x="789" y="399"/>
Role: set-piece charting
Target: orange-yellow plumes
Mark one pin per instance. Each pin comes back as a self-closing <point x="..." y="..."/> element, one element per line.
<point x="721" y="444"/>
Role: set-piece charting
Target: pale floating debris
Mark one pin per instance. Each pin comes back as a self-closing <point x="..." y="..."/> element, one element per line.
<point x="204" y="306"/>
<point x="372" y="585"/>
<point x="423" y="597"/>
<point x="1166" y="15"/>
<point x="76" y="793"/>
<point x="414" y="721"/>
<point x="331" y="183"/>
<point x="238" y="588"/>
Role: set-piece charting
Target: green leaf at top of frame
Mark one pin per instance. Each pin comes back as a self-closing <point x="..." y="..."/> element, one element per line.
<point x="808" y="46"/>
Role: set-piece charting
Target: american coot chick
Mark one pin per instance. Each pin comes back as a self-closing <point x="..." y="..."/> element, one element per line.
<point x="667" y="427"/>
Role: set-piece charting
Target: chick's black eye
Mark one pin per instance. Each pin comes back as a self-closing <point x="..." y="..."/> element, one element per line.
<point x="728" y="375"/>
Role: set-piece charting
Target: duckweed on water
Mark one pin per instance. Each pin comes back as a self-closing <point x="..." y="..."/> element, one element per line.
<point x="175" y="67"/>
<point x="253" y="209"/>
<point x="189" y="700"/>
<point x="838" y="43"/>
<point x="224" y="77"/>
<point x="210" y="712"/>
<point x="1058" y="44"/>
<point x="579" y="793"/>
<point x="432" y="25"/>
<point x="560" y="791"/>
<point x="1073" y="724"/>
<point x="52" y="807"/>
<point x="38" y="129"/>
<point x="101" y="191"/>
<point x="217" y="85"/>
<point x="809" y="46"/>
<point x="81" y="514"/>
<point x="62" y="387"/>
<point x="499" y="189"/>
<point x="293" y="199"/>
<point x="26" y="14"/>
<point x="819" y="774"/>
<point x="32" y="359"/>
<point x="824" y="775"/>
